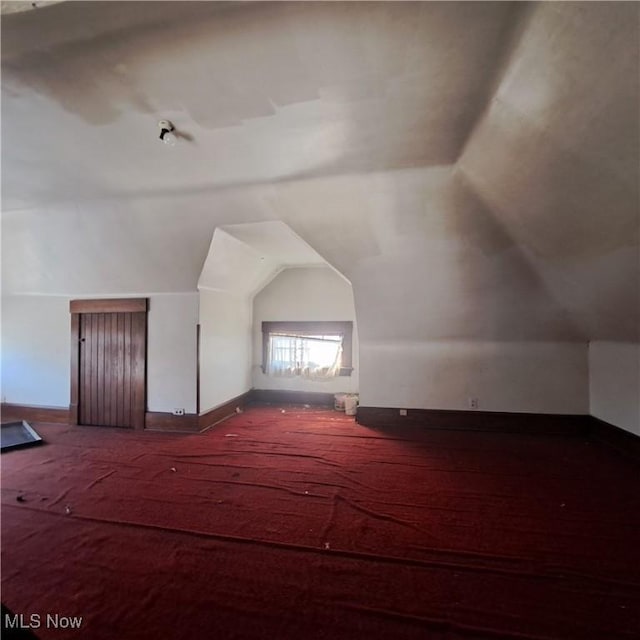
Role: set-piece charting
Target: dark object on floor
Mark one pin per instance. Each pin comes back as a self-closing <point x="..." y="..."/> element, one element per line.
<point x="15" y="435"/>
<point x="11" y="626"/>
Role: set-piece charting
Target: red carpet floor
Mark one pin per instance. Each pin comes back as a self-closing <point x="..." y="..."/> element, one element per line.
<point x="304" y="525"/>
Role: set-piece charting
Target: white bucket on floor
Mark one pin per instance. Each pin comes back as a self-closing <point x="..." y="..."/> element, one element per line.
<point x="350" y="405"/>
<point x="338" y="404"/>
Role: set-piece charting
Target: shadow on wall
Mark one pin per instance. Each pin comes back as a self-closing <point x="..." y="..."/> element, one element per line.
<point x="448" y="269"/>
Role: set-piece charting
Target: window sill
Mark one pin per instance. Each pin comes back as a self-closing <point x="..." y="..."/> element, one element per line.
<point x="345" y="372"/>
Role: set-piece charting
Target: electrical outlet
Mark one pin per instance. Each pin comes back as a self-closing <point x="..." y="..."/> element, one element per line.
<point x="473" y="403"/>
<point x="403" y="412"/>
<point x="178" y="412"/>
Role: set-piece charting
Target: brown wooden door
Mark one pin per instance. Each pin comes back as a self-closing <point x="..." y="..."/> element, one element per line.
<point x="111" y="370"/>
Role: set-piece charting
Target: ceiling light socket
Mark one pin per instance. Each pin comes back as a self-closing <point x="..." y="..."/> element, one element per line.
<point x="166" y="132"/>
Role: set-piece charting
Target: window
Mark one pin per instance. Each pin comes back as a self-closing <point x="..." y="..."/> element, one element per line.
<point x="316" y="350"/>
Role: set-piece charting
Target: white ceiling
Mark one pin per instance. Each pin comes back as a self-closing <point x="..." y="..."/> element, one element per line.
<point x="275" y="241"/>
<point x="243" y="258"/>
<point x="266" y="92"/>
<point x="470" y="167"/>
<point x="15" y="6"/>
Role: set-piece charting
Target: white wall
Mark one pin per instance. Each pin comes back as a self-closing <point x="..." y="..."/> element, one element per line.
<point x="504" y="376"/>
<point x="171" y="352"/>
<point x="614" y="383"/>
<point x="304" y="294"/>
<point x="603" y="380"/>
<point x="225" y="347"/>
<point x="36" y="351"/>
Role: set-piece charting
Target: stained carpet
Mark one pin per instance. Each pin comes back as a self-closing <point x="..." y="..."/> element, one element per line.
<point x="304" y="525"/>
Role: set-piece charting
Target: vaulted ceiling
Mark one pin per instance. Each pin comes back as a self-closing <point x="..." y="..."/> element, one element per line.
<point x="471" y="167"/>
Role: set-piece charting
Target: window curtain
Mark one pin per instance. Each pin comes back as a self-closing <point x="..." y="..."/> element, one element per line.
<point x="313" y="357"/>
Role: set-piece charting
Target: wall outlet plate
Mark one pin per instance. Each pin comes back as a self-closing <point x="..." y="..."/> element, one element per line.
<point x="473" y="403"/>
<point x="403" y="412"/>
<point x="178" y="412"/>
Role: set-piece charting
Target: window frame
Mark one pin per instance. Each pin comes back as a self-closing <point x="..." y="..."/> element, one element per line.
<point x="312" y="328"/>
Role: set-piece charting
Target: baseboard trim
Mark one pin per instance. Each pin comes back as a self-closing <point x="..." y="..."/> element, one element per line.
<point x="621" y="440"/>
<point x="57" y="415"/>
<point x="159" y="421"/>
<point x="532" y="423"/>
<point x="224" y="411"/>
<point x="280" y="396"/>
<point x="154" y="420"/>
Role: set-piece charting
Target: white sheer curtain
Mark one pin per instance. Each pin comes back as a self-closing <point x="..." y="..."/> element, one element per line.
<point x="317" y="357"/>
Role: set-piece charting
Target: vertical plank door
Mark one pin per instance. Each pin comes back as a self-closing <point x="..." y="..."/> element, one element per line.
<point x="111" y="375"/>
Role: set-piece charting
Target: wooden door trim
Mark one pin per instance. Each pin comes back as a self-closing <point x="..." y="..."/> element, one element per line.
<point x="198" y="369"/>
<point x="110" y="305"/>
<point x="140" y="377"/>
<point x="75" y="367"/>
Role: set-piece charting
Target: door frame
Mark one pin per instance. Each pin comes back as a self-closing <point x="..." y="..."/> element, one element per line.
<point x="105" y="305"/>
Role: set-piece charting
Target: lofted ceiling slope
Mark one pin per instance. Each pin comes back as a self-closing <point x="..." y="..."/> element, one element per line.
<point x="471" y="167"/>
<point x="244" y="258"/>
